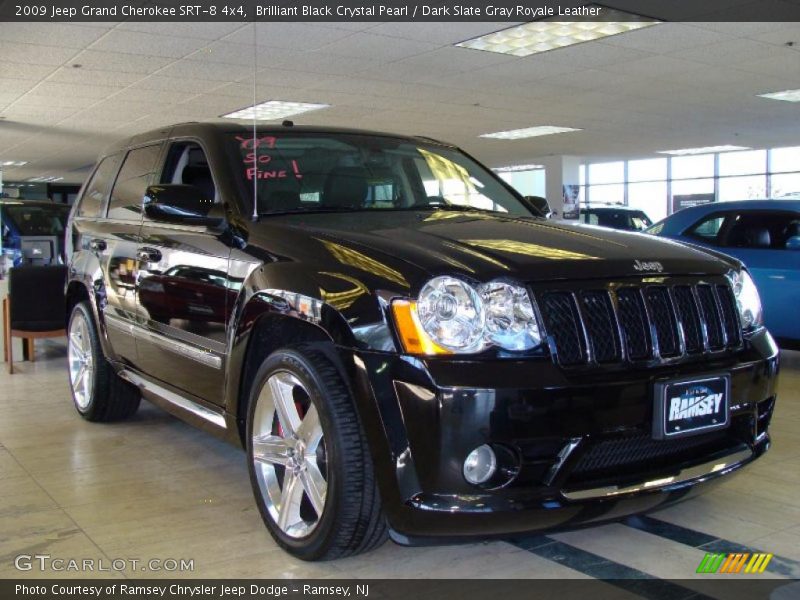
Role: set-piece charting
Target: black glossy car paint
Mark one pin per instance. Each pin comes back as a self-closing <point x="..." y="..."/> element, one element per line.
<point x="421" y="415"/>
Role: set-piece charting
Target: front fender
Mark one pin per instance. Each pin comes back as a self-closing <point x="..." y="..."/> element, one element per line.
<point x="333" y="307"/>
<point x="85" y="270"/>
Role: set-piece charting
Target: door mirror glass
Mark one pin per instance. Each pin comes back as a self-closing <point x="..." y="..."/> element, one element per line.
<point x="178" y="203"/>
<point x="793" y="243"/>
<point x="538" y="206"/>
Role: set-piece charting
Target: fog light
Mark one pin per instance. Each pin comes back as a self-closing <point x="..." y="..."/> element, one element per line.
<point x="480" y="465"/>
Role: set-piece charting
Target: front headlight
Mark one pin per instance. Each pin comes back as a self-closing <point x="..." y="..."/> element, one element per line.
<point x="747" y="299"/>
<point x="451" y="313"/>
<point x="452" y="316"/>
<point x="510" y="322"/>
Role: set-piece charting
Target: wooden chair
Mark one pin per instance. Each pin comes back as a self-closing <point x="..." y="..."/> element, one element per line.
<point x="34" y="308"/>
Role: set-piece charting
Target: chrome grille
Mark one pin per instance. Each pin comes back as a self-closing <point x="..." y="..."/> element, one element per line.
<point x="639" y="323"/>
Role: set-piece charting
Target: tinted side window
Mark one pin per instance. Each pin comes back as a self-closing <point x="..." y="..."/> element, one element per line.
<point x="94" y="197"/>
<point x="760" y="230"/>
<point x="186" y="163"/>
<point x="708" y="229"/>
<point x="132" y="181"/>
<point x="590" y="218"/>
<point x="614" y="220"/>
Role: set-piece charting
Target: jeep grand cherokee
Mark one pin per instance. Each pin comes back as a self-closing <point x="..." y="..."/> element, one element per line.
<point x="400" y="346"/>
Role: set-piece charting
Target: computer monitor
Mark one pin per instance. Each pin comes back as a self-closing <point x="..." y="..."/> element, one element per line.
<point x="39" y="250"/>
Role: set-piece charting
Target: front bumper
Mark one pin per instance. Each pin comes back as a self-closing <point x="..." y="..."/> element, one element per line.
<point x="576" y="449"/>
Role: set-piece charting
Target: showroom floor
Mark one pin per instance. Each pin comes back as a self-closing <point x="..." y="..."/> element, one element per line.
<point x="156" y="488"/>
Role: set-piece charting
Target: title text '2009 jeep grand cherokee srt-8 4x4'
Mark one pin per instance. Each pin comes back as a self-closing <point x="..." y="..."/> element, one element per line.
<point x="399" y="344"/>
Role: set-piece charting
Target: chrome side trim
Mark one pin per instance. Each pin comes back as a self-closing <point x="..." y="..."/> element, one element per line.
<point x="191" y="352"/>
<point x="201" y="355"/>
<point x="700" y="471"/>
<point x="172" y="398"/>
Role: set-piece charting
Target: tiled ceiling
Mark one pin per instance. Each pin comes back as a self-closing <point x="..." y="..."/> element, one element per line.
<point x="67" y="90"/>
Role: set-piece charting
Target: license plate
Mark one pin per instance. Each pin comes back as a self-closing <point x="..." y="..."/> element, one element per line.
<point x="691" y="406"/>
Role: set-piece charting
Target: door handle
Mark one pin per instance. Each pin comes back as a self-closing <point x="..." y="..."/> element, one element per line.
<point x="97" y="245"/>
<point x="148" y="255"/>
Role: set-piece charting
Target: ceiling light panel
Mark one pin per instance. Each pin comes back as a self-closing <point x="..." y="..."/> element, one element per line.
<point x="273" y="109"/>
<point x="703" y="150"/>
<point x="786" y="95"/>
<point x="528" y="132"/>
<point x="13" y="163"/>
<point x="545" y="35"/>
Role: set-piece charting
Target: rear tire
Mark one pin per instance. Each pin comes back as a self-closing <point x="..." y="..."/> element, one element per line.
<point x="97" y="391"/>
<point x="310" y="466"/>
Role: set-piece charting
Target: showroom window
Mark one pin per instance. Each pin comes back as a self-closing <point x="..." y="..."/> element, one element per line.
<point x="693" y="167"/>
<point x="609" y="172"/>
<point x="784" y="168"/>
<point x="650" y="197"/>
<point x="527" y="183"/>
<point x="650" y="169"/>
<point x="613" y="193"/>
<point x="661" y="186"/>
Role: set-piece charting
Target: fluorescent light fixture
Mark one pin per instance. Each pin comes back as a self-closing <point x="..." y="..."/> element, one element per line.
<point x="703" y="150"/>
<point x="13" y="163"/>
<point x="518" y="134"/>
<point x="517" y="168"/>
<point x="545" y="34"/>
<point x="49" y="179"/>
<point x="273" y="109"/>
<point x="785" y="95"/>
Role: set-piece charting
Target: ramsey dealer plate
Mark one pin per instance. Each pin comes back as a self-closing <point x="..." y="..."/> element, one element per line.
<point x="691" y="406"/>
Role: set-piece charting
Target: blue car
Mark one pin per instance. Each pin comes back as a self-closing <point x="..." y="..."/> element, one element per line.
<point x="765" y="236"/>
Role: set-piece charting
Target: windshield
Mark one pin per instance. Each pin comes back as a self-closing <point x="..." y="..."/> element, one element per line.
<point x="616" y="219"/>
<point x="346" y="172"/>
<point x="640" y="221"/>
<point x="35" y="219"/>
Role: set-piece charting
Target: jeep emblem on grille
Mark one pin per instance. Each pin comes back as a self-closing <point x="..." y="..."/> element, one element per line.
<point x="648" y="266"/>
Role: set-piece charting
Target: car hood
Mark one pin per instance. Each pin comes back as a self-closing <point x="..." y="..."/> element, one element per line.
<point x="485" y="246"/>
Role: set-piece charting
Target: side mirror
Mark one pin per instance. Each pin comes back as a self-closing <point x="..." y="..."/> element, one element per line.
<point x="538" y="206"/>
<point x="178" y="203"/>
<point x="793" y="243"/>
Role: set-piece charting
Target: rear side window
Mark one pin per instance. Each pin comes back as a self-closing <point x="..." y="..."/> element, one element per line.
<point x="91" y="204"/>
<point x="132" y="181"/>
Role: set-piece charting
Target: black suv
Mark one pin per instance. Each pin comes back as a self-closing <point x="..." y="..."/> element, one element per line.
<point x="399" y="344"/>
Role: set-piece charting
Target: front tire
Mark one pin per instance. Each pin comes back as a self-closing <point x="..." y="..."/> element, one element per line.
<point x="97" y="391"/>
<point x="309" y="463"/>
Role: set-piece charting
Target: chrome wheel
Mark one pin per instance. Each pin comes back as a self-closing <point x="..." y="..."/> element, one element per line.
<point x="288" y="453"/>
<point x="81" y="364"/>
